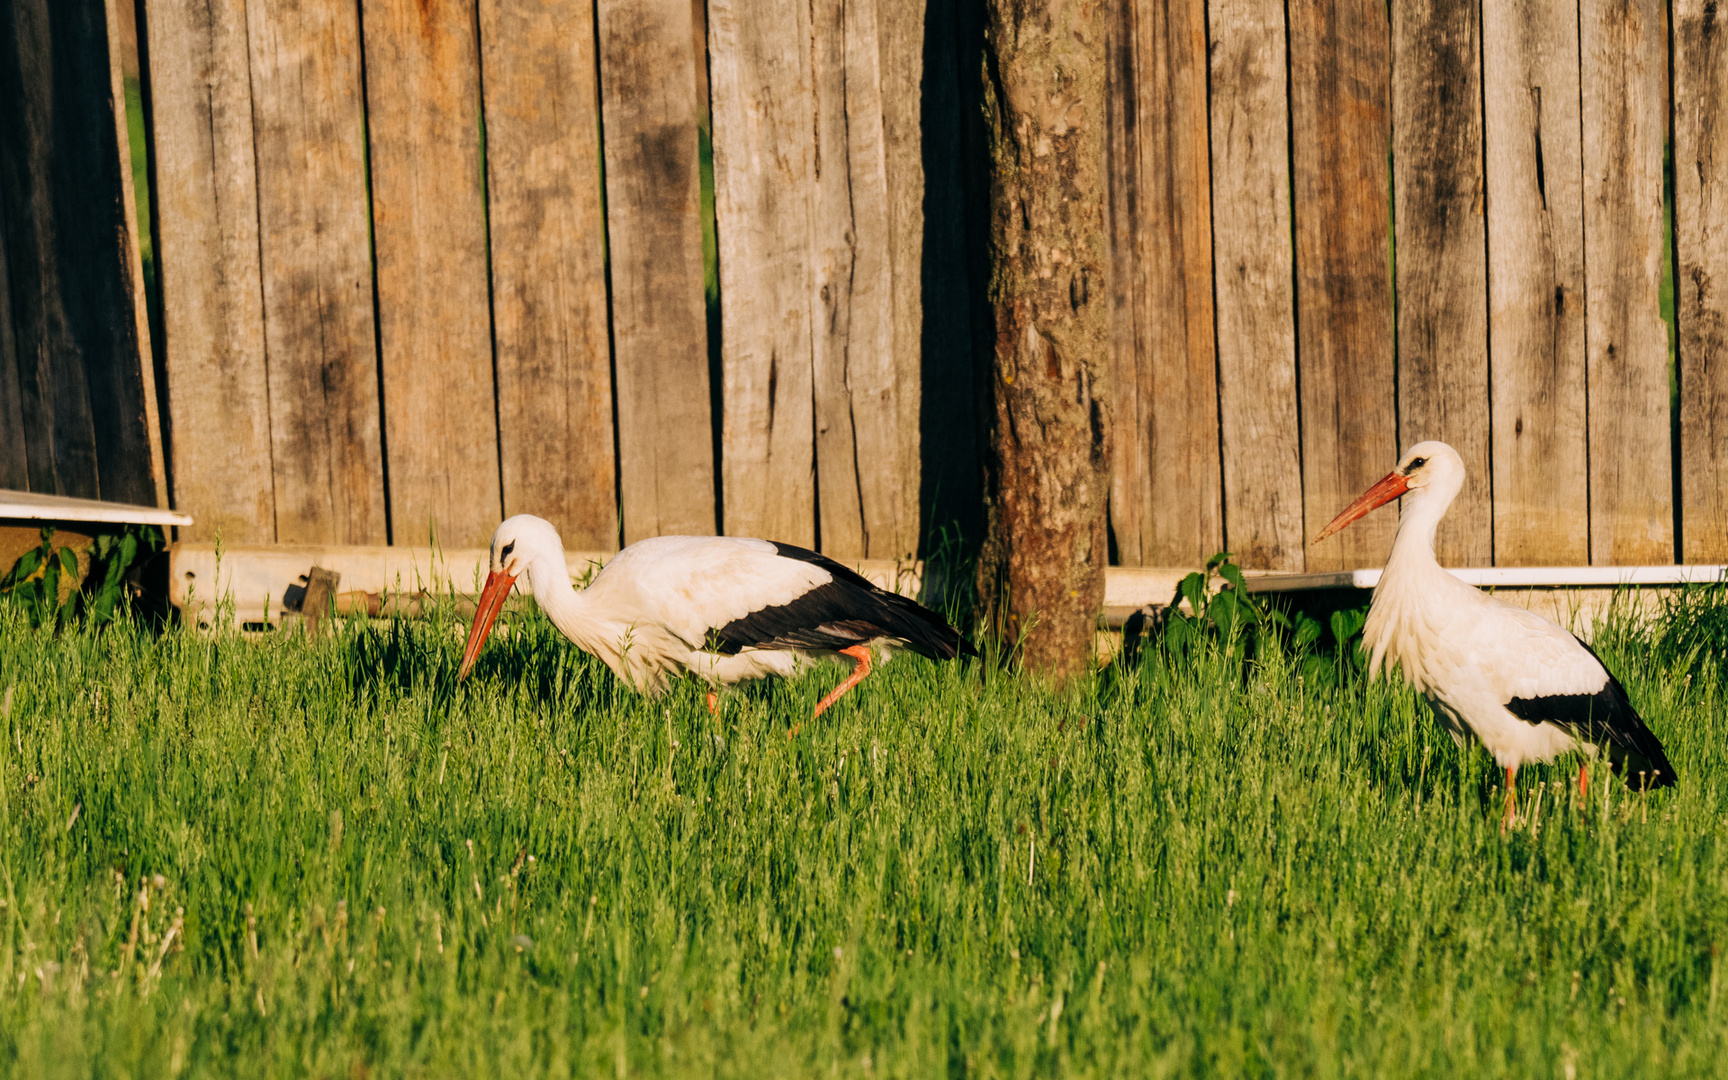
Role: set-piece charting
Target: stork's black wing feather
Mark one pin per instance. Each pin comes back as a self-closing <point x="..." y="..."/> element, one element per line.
<point x="1607" y="719"/>
<point x="837" y="614"/>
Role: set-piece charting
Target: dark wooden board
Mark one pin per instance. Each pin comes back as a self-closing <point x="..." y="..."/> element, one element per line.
<point x="429" y="235"/>
<point x="1340" y="81"/>
<point x="207" y="248"/>
<point x="1166" y="504"/>
<point x="309" y="118"/>
<point x="648" y="72"/>
<point x="1701" y="242"/>
<point x="1253" y="263"/>
<point x="548" y="234"/>
<point x="14" y="461"/>
<point x="764" y="169"/>
<point x="1625" y="106"/>
<point x="1442" y="261"/>
<point x="1535" y="177"/>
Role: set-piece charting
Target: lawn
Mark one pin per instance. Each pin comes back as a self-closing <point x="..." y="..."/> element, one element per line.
<point x="290" y="858"/>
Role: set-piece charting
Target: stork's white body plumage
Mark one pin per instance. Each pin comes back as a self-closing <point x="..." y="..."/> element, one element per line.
<point x="722" y="608"/>
<point x="1526" y="688"/>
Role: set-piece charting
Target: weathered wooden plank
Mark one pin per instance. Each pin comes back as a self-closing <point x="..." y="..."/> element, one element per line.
<point x="1701" y="242"/>
<point x="1442" y="263"/>
<point x="429" y="229"/>
<point x="119" y="16"/>
<point x="76" y="330"/>
<point x="1165" y="501"/>
<point x="659" y="326"/>
<point x="554" y="360"/>
<point x="1625" y="95"/>
<point x="207" y="236"/>
<point x="1256" y="296"/>
<point x="327" y="461"/>
<point x="901" y="34"/>
<point x="1535" y="177"/>
<point x="14" y="459"/>
<point x="764" y="166"/>
<point x="1340" y="83"/>
<point x="858" y="472"/>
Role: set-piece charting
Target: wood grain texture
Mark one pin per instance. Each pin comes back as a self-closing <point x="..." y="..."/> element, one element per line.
<point x="1340" y="81"/>
<point x="859" y="475"/>
<point x="1253" y="264"/>
<point x="1701" y="243"/>
<point x="326" y="455"/>
<point x="429" y="230"/>
<point x="1625" y="106"/>
<point x="1535" y="176"/>
<point x="207" y="237"/>
<point x="75" y="327"/>
<point x="900" y="34"/>
<point x="1442" y="261"/>
<point x="554" y="359"/>
<point x="764" y="169"/>
<point x="659" y="326"/>
<point x="119" y="16"/>
<point x="14" y="458"/>
<point x="1166" y="504"/>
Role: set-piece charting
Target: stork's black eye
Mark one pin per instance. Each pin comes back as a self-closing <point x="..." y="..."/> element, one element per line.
<point x="1418" y="463"/>
<point x="505" y="554"/>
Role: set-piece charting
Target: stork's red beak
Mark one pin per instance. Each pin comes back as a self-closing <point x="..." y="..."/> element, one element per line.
<point x="1390" y="487"/>
<point x="492" y="597"/>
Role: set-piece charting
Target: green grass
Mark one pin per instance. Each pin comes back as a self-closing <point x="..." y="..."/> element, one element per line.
<point x="367" y="870"/>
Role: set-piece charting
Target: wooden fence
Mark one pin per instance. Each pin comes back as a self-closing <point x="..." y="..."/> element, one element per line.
<point x="428" y="263"/>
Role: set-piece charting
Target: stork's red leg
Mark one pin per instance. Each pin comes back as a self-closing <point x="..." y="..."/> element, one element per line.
<point x="860" y="653"/>
<point x="714" y="703"/>
<point x="1584" y="781"/>
<point x="1511" y="797"/>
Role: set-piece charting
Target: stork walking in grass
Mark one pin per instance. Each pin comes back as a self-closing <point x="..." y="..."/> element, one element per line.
<point x="722" y="608"/>
<point x="1527" y="689"/>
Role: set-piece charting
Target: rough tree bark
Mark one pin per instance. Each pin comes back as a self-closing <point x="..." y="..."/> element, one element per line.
<point x="1047" y="462"/>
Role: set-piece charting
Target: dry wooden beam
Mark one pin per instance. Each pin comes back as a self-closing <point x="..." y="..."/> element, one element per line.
<point x="1165" y="499"/>
<point x="1442" y="265"/>
<point x="1701" y="243"/>
<point x="554" y="359"/>
<point x="1535" y="176"/>
<point x="208" y="266"/>
<point x="429" y="224"/>
<point x="1253" y="261"/>
<point x="1625" y="94"/>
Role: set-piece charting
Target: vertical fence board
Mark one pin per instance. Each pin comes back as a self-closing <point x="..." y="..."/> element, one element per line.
<point x="1165" y="502"/>
<point x="763" y="169"/>
<point x="1536" y="282"/>
<point x="309" y="127"/>
<point x="665" y="442"/>
<point x="1340" y="87"/>
<point x="207" y="245"/>
<point x="1624" y="76"/>
<point x="548" y="267"/>
<point x="901" y="33"/>
<point x="1701" y="242"/>
<point x="429" y="229"/>
<point x="14" y="461"/>
<point x="1252" y="269"/>
<point x="860" y="489"/>
<point x="1442" y="271"/>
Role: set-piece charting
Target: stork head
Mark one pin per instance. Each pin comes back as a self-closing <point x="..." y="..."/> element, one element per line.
<point x="516" y="546"/>
<point x="1430" y="469"/>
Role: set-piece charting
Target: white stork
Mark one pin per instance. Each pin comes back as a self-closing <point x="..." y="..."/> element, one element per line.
<point x="1527" y="689"/>
<point x="722" y="608"/>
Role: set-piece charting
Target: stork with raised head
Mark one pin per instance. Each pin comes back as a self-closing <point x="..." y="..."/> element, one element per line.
<point x="722" y="608"/>
<point x="1527" y="689"/>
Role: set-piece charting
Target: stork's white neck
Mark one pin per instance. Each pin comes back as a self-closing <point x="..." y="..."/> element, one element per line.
<point x="569" y="610"/>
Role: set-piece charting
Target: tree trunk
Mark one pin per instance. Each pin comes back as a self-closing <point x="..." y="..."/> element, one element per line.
<point x="1048" y="459"/>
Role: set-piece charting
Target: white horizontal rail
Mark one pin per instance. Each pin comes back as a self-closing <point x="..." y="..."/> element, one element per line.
<point x="28" y="506"/>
